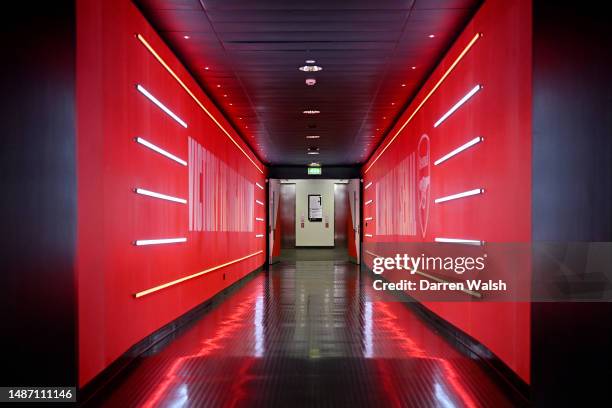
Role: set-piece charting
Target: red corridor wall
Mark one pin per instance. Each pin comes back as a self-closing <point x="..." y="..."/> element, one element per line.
<point x="221" y="182"/>
<point x="500" y="112"/>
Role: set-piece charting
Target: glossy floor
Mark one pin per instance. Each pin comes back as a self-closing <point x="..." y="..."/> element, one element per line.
<point x="307" y="333"/>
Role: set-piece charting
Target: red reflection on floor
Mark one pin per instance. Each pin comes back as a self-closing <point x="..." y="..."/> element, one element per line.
<point x="307" y="333"/>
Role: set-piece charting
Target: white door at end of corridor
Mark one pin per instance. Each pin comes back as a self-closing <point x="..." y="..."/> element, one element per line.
<point x="273" y="200"/>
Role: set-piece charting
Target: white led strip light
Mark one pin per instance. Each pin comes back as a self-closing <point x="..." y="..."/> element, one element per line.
<point x="143" y="242"/>
<point x="368" y="202"/>
<point x="259" y="236"/>
<point x="159" y="195"/>
<point x="459" y="241"/>
<point x="368" y="235"/>
<point x="369" y="219"/>
<point x="259" y="202"/>
<point x="259" y="185"/>
<point x="160" y="105"/>
<point x="458" y="104"/>
<point x="160" y="150"/>
<point x="475" y="191"/>
<point x="259" y="219"/>
<point x="367" y="185"/>
<point x="458" y="150"/>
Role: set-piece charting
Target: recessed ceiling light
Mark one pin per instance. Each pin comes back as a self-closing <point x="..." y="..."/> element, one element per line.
<point x="313" y="137"/>
<point x="240" y="117"/>
<point x="231" y="104"/>
<point x="316" y="164"/>
<point x="311" y="68"/>
<point x="413" y="67"/>
<point x="218" y="86"/>
<point x="313" y="152"/>
<point x="403" y="85"/>
<point x="392" y="103"/>
<point x="311" y="81"/>
<point x="310" y="61"/>
<point x="384" y="117"/>
<point x="311" y="112"/>
<point x="432" y="35"/>
<point x="377" y="128"/>
<point x="225" y="95"/>
<point x="186" y="37"/>
<point x="206" y="68"/>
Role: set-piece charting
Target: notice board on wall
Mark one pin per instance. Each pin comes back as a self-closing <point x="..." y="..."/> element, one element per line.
<point x="315" y="208"/>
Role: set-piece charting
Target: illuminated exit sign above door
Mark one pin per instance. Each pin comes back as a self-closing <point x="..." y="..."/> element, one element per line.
<point x="314" y="171"/>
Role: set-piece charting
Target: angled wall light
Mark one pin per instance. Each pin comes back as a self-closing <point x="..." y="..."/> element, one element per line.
<point x="459" y="241"/>
<point x="159" y="150"/>
<point x="468" y="193"/>
<point x="149" y="193"/>
<point x="456" y="106"/>
<point x="458" y="150"/>
<point x="160" y="105"/>
<point x="143" y="242"/>
<point x="465" y="50"/>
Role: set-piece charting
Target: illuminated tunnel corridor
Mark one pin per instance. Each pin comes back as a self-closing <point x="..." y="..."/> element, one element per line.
<point x="325" y="203"/>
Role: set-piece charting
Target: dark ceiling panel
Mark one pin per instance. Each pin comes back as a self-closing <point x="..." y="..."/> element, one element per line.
<point x="246" y="55"/>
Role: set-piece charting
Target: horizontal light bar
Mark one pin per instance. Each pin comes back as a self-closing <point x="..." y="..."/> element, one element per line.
<point x="259" y="185"/>
<point x="143" y="242"/>
<point x="259" y="202"/>
<point x="458" y="104"/>
<point x="160" y="105"/>
<point x="468" y="193"/>
<point x="475" y="38"/>
<point x="368" y="202"/>
<point x="369" y="235"/>
<point x="160" y="150"/>
<point x="259" y="219"/>
<point x="367" y="185"/>
<point x="159" y="195"/>
<point x="195" y="275"/>
<point x="458" y="150"/>
<point x="195" y="99"/>
<point x="369" y="218"/>
<point x="259" y="236"/>
<point x="459" y="241"/>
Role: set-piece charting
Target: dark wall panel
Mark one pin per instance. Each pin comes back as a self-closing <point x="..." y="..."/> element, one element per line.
<point x="38" y="205"/>
<point x="572" y="193"/>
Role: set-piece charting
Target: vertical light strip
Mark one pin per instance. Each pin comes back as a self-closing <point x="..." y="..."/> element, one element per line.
<point x="368" y="202"/>
<point x="456" y="106"/>
<point x="160" y="105"/>
<point x="197" y="101"/>
<point x="459" y="241"/>
<point x="458" y="150"/>
<point x="149" y="193"/>
<point x="367" y="185"/>
<point x="259" y="202"/>
<point x="418" y="108"/>
<point x="468" y="193"/>
<point x="160" y="150"/>
<point x="143" y="242"/>
<point x="259" y="185"/>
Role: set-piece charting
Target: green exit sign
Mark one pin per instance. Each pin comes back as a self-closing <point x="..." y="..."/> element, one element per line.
<point x="314" y="171"/>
